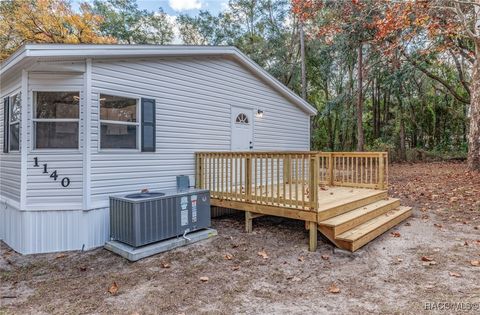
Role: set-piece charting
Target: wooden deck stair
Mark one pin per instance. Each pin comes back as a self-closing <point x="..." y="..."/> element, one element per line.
<point x="354" y="224"/>
<point x="342" y="195"/>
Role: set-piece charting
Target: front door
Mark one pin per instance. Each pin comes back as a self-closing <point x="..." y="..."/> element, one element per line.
<point x="242" y="129"/>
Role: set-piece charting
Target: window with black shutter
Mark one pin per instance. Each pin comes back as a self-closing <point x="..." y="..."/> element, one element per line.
<point x="119" y="122"/>
<point x="6" y="120"/>
<point x="148" y="125"/>
<point x="15" y="112"/>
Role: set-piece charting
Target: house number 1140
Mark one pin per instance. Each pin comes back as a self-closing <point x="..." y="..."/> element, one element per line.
<point x="65" y="181"/>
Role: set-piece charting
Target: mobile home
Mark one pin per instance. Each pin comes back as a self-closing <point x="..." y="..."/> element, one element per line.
<point x="80" y="123"/>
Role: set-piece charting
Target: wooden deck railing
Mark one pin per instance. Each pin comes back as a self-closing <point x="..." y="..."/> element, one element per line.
<point x="277" y="179"/>
<point x="287" y="179"/>
<point x="354" y="169"/>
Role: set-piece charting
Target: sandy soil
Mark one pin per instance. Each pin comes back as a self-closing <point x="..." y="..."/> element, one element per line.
<point x="386" y="276"/>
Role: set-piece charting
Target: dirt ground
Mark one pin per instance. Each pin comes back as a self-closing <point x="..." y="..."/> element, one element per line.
<point x="386" y="276"/>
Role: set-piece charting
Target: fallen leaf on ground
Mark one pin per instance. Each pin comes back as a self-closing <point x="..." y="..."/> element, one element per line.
<point x="438" y="225"/>
<point x="334" y="289"/>
<point x="325" y="257"/>
<point x="427" y="258"/>
<point x="429" y="263"/>
<point x="204" y="279"/>
<point x="407" y="224"/>
<point x="475" y="263"/>
<point x="165" y="265"/>
<point x="301" y="259"/>
<point x="228" y="256"/>
<point x="113" y="290"/>
<point x="62" y="255"/>
<point x="455" y="274"/>
<point x="82" y="268"/>
<point x="263" y="254"/>
<point x="235" y="268"/>
<point x="395" y="234"/>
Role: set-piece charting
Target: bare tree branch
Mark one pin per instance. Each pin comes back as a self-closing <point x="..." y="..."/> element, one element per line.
<point x="436" y="78"/>
<point x="461" y="15"/>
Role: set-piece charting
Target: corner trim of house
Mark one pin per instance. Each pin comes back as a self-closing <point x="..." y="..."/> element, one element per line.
<point x="87" y="139"/>
<point x="24" y="141"/>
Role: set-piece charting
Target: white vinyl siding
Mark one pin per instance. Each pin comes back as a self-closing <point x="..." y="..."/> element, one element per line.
<point x="43" y="192"/>
<point x="193" y="96"/>
<point x="193" y="100"/>
<point x="10" y="163"/>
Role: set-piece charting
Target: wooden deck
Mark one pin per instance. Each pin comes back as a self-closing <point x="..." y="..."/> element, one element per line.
<point x="339" y="194"/>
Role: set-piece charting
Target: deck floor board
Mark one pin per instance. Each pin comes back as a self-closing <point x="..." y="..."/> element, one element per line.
<point x="328" y="197"/>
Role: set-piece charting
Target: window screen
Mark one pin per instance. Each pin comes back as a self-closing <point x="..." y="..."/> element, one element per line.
<point x="118" y="122"/>
<point x="56" y="120"/>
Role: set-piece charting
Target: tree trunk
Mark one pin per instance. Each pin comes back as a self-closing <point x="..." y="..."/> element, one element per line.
<point x="302" y="58"/>
<point x="379" y="93"/>
<point x="346" y="141"/>
<point x="360" y="135"/>
<point x="474" y="127"/>
<point x="403" y="149"/>
<point x="374" y="108"/>
<point x="386" y="100"/>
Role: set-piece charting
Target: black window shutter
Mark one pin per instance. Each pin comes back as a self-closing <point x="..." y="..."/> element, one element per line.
<point x="6" y="124"/>
<point x="148" y="125"/>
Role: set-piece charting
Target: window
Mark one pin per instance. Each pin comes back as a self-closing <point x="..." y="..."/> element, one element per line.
<point x="14" y="122"/>
<point x="242" y="119"/>
<point x="118" y="122"/>
<point x="56" y="120"/>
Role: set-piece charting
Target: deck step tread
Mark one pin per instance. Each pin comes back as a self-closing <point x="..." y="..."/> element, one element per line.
<point x="372" y="225"/>
<point x="346" y="198"/>
<point x="365" y="210"/>
<point x="349" y="200"/>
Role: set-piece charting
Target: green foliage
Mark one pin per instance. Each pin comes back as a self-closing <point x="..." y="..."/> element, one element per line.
<point x="206" y="29"/>
<point x="124" y="21"/>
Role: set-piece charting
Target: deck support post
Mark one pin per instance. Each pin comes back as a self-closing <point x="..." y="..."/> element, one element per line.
<point x="249" y="216"/>
<point x="248" y="222"/>
<point x="313" y="242"/>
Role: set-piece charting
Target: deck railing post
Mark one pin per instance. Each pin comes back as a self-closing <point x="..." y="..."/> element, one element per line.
<point x="286" y="168"/>
<point x="381" y="170"/>
<point x="386" y="169"/>
<point x="248" y="177"/>
<point x="331" y="172"/>
<point x="313" y="181"/>
<point x="199" y="168"/>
